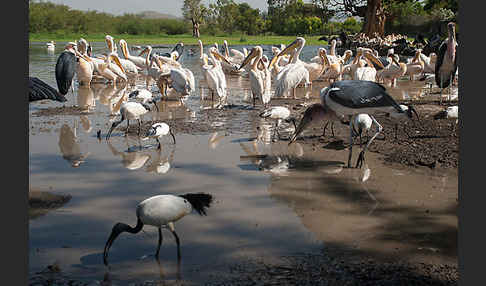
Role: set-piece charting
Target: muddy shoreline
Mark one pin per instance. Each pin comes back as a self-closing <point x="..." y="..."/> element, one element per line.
<point x="430" y="144"/>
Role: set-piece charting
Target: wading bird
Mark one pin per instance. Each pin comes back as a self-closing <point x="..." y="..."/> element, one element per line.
<point x="215" y="75"/>
<point x="361" y="123"/>
<point x="39" y="90"/>
<point x="294" y="72"/>
<point x="161" y="211"/>
<point x="278" y="113"/>
<point x="260" y="76"/>
<point x="51" y="46"/>
<point x="445" y="66"/>
<point x="158" y="130"/>
<point x="130" y="69"/>
<point x="130" y="110"/>
<point x="349" y="98"/>
<point x="143" y="95"/>
<point x="138" y="61"/>
<point x="66" y="68"/>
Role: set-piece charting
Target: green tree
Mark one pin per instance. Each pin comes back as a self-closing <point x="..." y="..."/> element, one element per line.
<point x="194" y="11"/>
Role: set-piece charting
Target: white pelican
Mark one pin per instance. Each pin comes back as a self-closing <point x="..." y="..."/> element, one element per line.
<point x="130" y="110"/>
<point x="429" y="62"/>
<point x="416" y="66"/>
<point x="293" y="73"/>
<point x="181" y="79"/>
<point x="230" y="66"/>
<point x="215" y="75"/>
<point x="84" y="69"/>
<point x="105" y="69"/>
<point x="161" y="211"/>
<point x="154" y="70"/>
<point x="392" y="71"/>
<point x="138" y="61"/>
<point x="260" y="78"/>
<point x="334" y="71"/>
<point x="51" y="46"/>
<point x="158" y="130"/>
<point x="367" y="72"/>
<point x="129" y="67"/>
<point x="316" y="69"/>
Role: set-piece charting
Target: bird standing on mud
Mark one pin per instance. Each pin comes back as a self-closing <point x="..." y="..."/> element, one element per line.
<point x="445" y="65"/>
<point x="66" y="68"/>
<point x="349" y="98"/>
<point x="158" y="130"/>
<point x="276" y="112"/>
<point x="130" y="110"/>
<point x="161" y="211"/>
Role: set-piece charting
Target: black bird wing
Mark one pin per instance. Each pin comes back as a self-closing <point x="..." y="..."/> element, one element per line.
<point x="441" y="52"/>
<point x="65" y="69"/>
<point x="361" y="94"/>
<point x="39" y="90"/>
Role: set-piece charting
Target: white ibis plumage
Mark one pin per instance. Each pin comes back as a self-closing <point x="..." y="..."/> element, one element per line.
<point x="277" y="113"/>
<point x="161" y="211"/>
<point x="130" y="110"/>
<point x="158" y="130"/>
<point x="143" y="95"/>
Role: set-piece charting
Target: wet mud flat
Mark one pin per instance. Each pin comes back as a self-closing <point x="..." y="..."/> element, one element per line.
<point x="430" y="142"/>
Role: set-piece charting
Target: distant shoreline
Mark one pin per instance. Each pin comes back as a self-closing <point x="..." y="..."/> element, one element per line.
<point x="187" y="39"/>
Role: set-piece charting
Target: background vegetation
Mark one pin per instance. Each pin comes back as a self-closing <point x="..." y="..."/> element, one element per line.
<point x="225" y="18"/>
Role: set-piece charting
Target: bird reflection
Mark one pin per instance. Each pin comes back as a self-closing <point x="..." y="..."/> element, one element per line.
<point x="69" y="146"/>
<point x="214" y="140"/>
<point x="86" y="123"/>
<point x="161" y="164"/>
<point x="133" y="158"/>
<point x="85" y="98"/>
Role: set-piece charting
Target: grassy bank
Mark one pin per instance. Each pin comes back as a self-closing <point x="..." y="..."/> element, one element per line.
<point x="187" y="39"/>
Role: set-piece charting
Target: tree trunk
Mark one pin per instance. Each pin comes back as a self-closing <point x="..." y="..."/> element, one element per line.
<point x="196" y="30"/>
<point x="374" y="19"/>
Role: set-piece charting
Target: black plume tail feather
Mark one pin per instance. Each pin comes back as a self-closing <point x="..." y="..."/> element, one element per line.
<point x="199" y="201"/>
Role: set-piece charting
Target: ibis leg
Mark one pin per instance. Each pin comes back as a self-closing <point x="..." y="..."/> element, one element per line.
<point x="178" y="244"/>
<point x="361" y="157"/>
<point x="350" y="141"/>
<point x="159" y="147"/>
<point x="158" y="245"/>
<point x="325" y="127"/>
<point x="332" y="128"/>
<point x="139" y="126"/>
<point x="128" y="124"/>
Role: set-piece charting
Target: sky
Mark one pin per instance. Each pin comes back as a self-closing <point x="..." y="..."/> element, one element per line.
<point x="119" y="7"/>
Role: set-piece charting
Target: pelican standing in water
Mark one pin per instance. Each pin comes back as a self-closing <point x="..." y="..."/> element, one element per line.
<point x="260" y="78"/>
<point x="294" y="72"/>
<point x="138" y="61"/>
<point x="215" y="75"/>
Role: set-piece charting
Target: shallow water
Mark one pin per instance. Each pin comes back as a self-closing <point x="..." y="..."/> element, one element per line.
<point x="270" y="199"/>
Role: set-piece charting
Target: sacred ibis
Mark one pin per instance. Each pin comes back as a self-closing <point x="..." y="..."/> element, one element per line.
<point x="161" y="211"/>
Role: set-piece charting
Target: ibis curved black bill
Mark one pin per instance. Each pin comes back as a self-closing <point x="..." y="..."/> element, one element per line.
<point x="172" y="134"/>
<point x="116" y="231"/>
